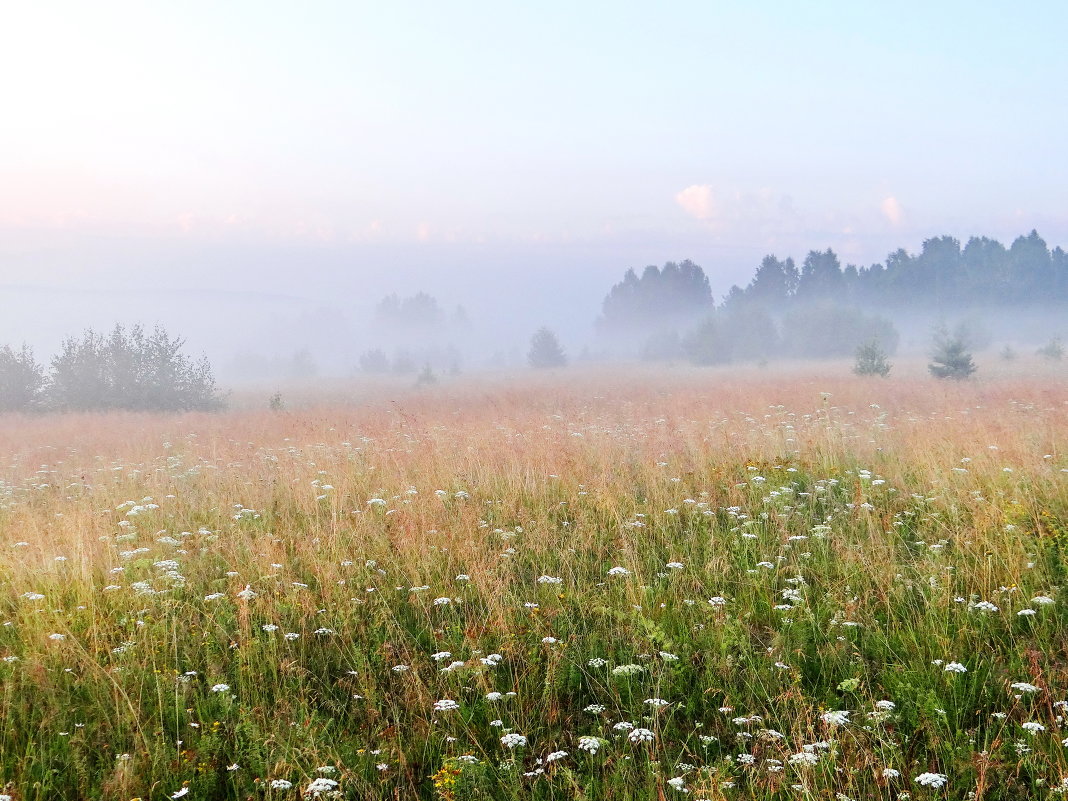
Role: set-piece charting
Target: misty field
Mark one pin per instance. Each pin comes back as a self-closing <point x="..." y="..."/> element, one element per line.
<point x="629" y="585"/>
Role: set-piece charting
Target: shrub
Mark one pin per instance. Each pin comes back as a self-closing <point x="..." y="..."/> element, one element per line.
<point x="131" y="370"/>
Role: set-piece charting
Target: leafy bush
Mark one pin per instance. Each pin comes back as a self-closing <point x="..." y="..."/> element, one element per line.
<point x="131" y="370"/>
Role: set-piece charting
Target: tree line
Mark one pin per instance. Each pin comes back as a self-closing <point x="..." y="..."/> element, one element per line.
<point x="822" y="309"/>
<point x="982" y="272"/>
<point x="943" y="273"/>
<point x="128" y="369"/>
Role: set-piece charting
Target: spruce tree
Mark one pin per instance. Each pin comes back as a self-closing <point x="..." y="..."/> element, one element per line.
<point x="545" y="350"/>
<point x="871" y="360"/>
<point x="951" y="358"/>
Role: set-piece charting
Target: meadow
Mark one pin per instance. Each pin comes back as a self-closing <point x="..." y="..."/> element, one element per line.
<point x="639" y="584"/>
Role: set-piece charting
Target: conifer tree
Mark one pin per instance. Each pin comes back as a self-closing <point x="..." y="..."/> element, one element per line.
<point x="951" y="358"/>
<point x="872" y="360"/>
<point x="545" y="350"/>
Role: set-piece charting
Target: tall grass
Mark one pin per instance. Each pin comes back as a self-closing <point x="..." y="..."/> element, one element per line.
<point x="237" y="605"/>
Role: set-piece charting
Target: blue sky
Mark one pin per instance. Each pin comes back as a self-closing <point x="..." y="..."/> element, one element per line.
<point x="258" y="145"/>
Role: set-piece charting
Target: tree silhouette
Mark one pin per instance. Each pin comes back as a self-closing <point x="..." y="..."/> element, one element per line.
<point x="22" y="380"/>
<point x="659" y="297"/>
<point x="545" y="350"/>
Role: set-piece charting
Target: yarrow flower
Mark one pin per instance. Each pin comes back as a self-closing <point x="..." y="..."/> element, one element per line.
<point x="619" y="571"/>
<point x="513" y="740"/>
<point x="1024" y="687"/>
<point x="320" y="786"/>
<point x="445" y="705"/>
<point x="951" y="667"/>
<point x="934" y="780"/>
<point x="641" y="736"/>
<point x="220" y="688"/>
<point x="838" y="718"/>
<point x="589" y="744"/>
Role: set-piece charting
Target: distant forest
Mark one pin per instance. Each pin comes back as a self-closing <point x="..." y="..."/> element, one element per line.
<point x="983" y="272"/>
<point x="821" y="308"/>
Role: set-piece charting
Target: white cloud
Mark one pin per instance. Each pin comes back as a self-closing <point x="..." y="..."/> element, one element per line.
<point x="698" y="201"/>
<point x="892" y="210"/>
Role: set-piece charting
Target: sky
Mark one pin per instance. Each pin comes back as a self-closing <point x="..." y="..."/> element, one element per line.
<point x="512" y="157"/>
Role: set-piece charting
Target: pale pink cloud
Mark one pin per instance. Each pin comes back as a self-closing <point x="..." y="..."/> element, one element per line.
<point x="698" y="201"/>
<point x="892" y="210"/>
